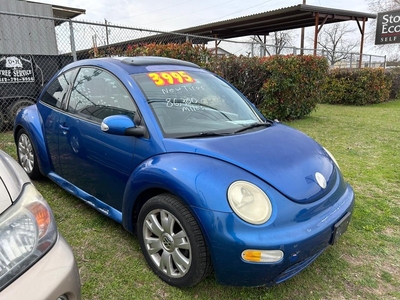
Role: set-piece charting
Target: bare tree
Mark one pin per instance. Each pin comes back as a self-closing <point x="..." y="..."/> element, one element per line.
<point x="274" y="44"/>
<point x="336" y="41"/>
<point x="383" y="5"/>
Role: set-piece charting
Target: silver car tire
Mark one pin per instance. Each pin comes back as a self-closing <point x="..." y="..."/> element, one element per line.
<point x="172" y="242"/>
<point x="27" y="156"/>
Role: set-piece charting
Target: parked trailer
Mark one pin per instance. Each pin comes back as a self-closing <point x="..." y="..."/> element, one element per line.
<point x="22" y="77"/>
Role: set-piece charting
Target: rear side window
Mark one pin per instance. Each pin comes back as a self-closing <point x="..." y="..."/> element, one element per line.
<point x="97" y="94"/>
<point x="57" y="91"/>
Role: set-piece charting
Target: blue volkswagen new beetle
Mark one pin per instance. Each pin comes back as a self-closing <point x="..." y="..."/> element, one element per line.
<point x="177" y="155"/>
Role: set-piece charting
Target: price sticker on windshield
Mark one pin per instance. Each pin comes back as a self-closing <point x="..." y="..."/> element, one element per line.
<point x="170" y="78"/>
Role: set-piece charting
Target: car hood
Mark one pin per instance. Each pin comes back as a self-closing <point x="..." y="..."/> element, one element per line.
<point x="12" y="179"/>
<point x="285" y="158"/>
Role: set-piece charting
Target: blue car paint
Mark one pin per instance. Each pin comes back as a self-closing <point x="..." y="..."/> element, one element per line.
<point x="300" y="236"/>
<point x="271" y="161"/>
<point x="303" y="214"/>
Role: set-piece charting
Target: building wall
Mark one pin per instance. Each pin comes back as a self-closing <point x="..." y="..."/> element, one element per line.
<point x="19" y="35"/>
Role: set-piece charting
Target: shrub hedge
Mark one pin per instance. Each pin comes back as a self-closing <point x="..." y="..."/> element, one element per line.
<point x="197" y="54"/>
<point x="394" y="76"/>
<point x="293" y="88"/>
<point x="282" y="87"/>
<point x="356" y="87"/>
<point x="247" y="74"/>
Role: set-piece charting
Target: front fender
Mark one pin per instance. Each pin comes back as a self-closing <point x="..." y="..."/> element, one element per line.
<point x="200" y="181"/>
<point x="30" y="120"/>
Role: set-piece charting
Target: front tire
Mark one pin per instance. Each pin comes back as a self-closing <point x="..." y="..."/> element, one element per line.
<point x="27" y="156"/>
<point x="172" y="242"/>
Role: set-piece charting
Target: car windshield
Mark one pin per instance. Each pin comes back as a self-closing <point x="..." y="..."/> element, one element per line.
<point x="195" y="103"/>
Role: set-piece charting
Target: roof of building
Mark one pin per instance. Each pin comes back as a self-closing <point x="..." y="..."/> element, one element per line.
<point x="286" y="18"/>
<point x="64" y="12"/>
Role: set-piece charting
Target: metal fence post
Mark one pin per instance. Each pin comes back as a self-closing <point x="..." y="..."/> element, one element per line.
<point x="351" y="60"/>
<point x="72" y="39"/>
<point x="105" y="20"/>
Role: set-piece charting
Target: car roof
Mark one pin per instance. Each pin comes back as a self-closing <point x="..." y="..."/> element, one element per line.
<point x="136" y="64"/>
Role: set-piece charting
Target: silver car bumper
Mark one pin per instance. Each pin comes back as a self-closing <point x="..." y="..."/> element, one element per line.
<point x="55" y="274"/>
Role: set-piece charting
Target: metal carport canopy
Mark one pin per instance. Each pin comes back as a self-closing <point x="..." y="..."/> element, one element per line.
<point x="292" y="17"/>
<point x="298" y="16"/>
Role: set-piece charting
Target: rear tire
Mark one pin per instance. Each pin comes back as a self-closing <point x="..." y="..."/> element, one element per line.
<point x="27" y="156"/>
<point x="172" y="242"/>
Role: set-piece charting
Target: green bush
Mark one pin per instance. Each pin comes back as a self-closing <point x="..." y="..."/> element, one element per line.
<point x="247" y="74"/>
<point x="197" y="54"/>
<point x="356" y="87"/>
<point x="394" y="76"/>
<point x="293" y="88"/>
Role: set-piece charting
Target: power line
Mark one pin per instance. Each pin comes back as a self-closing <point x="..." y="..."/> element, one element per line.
<point x="210" y="8"/>
<point x="156" y="10"/>
<point x="240" y="11"/>
<point x="189" y="13"/>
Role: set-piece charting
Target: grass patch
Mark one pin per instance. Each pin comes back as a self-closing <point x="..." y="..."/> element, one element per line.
<point x="365" y="264"/>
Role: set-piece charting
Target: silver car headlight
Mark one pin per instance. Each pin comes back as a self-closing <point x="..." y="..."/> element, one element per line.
<point x="249" y="202"/>
<point x="332" y="157"/>
<point x="27" y="232"/>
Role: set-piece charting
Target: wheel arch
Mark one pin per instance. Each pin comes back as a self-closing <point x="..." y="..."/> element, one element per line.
<point x="29" y="119"/>
<point x="130" y="222"/>
<point x="200" y="182"/>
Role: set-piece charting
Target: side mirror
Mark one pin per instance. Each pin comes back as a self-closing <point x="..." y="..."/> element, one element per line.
<point x="122" y="125"/>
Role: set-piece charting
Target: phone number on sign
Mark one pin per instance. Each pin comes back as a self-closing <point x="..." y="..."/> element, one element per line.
<point x="23" y="79"/>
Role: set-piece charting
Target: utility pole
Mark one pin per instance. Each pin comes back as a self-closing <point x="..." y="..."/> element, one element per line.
<point x="302" y="37"/>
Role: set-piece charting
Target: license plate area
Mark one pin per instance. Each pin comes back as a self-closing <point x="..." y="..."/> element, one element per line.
<point x="340" y="227"/>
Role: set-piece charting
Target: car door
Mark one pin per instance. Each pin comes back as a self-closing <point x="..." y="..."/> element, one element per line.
<point x="98" y="163"/>
<point x="50" y="108"/>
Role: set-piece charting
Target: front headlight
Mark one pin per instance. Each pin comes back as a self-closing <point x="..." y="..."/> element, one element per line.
<point x="27" y="232"/>
<point x="249" y="202"/>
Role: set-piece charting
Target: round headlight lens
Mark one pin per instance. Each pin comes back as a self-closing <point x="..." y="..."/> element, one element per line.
<point x="249" y="202"/>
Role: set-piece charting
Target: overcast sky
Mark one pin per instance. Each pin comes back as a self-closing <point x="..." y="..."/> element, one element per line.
<point x="169" y="15"/>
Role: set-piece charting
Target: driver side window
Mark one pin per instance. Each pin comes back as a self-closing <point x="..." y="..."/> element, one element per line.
<point x="97" y="94"/>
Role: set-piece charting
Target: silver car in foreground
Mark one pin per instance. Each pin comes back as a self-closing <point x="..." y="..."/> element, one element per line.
<point x="35" y="260"/>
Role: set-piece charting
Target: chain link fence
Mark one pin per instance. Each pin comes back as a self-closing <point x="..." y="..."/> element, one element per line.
<point x="33" y="48"/>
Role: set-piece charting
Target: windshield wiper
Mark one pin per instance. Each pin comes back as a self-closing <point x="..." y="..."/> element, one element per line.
<point x="254" y="125"/>
<point x="202" y="134"/>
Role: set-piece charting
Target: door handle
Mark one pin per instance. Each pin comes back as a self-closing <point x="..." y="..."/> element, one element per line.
<point x="64" y="128"/>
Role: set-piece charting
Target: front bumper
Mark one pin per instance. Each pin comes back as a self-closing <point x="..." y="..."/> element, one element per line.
<point x="301" y="241"/>
<point x="55" y="274"/>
